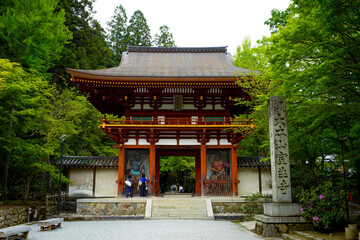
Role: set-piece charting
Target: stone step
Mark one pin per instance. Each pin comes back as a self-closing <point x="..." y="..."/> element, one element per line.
<point x="183" y="208"/>
<point x="175" y="204"/>
<point x="179" y="214"/>
<point x="179" y="209"/>
<point x="184" y="195"/>
<point x="182" y="217"/>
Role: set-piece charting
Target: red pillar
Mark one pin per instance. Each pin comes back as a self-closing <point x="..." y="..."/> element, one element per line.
<point x="234" y="170"/>
<point x="197" y="175"/>
<point x="157" y="175"/>
<point x="203" y="167"/>
<point x="152" y="170"/>
<point x="121" y="171"/>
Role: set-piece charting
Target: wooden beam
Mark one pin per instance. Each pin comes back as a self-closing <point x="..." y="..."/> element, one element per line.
<point x="197" y="175"/>
<point x="152" y="173"/>
<point x="260" y="184"/>
<point x="234" y="170"/>
<point x="203" y="167"/>
<point x="121" y="169"/>
<point x="94" y="181"/>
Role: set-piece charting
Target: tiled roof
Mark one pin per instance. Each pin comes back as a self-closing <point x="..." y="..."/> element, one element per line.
<point x="252" y="162"/>
<point x="90" y="161"/>
<point x="170" y="62"/>
<point x="112" y="161"/>
<point x="176" y="49"/>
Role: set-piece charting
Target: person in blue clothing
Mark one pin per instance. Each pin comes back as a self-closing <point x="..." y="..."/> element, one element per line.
<point x="129" y="183"/>
<point x="143" y="186"/>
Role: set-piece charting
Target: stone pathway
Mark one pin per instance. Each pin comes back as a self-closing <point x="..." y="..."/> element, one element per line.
<point x="145" y="229"/>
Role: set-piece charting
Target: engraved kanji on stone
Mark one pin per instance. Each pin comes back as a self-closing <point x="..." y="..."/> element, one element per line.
<point x="281" y="157"/>
<point x="279" y="121"/>
<point x="280" y="131"/>
<point x="282" y="172"/>
<point x="283" y="186"/>
<point x="280" y="143"/>
<point x="279" y="106"/>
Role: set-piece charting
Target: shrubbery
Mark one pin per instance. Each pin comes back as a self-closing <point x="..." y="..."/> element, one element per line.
<point x="323" y="205"/>
<point x="253" y="203"/>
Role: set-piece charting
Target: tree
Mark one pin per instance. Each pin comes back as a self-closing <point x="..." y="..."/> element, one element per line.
<point x="138" y="30"/>
<point x="313" y="55"/>
<point x="257" y="87"/>
<point x="88" y="48"/>
<point x="164" y="38"/>
<point x="177" y="170"/>
<point x="33" y="33"/>
<point x="118" y="33"/>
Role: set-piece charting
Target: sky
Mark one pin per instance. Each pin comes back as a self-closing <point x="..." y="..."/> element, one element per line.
<point x="200" y="23"/>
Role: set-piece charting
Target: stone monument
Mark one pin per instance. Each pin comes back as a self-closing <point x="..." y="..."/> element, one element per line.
<point x="280" y="216"/>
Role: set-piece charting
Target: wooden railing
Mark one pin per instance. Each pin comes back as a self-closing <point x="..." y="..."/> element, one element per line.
<point x="218" y="185"/>
<point x="53" y="199"/>
<point x="191" y="122"/>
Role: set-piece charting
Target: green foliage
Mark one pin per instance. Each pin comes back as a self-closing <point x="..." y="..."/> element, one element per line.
<point x="33" y="115"/>
<point x="118" y="33"/>
<point x="164" y="38"/>
<point x="138" y="30"/>
<point x="311" y="59"/>
<point x="178" y="171"/>
<point x="88" y="48"/>
<point x="323" y="205"/>
<point x="253" y="203"/>
<point x="33" y="33"/>
<point x="256" y="87"/>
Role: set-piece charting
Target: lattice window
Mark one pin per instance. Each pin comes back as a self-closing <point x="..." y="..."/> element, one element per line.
<point x="178" y="102"/>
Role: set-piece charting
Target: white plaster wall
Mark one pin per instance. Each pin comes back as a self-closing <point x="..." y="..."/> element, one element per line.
<point x="189" y="142"/>
<point x="167" y="142"/>
<point x="189" y="107"/>
<point x="166" y="106"/>
<point x="266" y="180"/>
<point x="82" y="182"/>
<point x="105" y="183"/>
<point x="218" y="106"/>
<point x="249" y="181"/>
<point x="173" y="142"/>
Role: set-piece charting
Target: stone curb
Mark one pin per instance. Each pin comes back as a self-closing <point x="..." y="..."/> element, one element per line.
<point x="307" y="235"/>
<point x="97" y="218"/>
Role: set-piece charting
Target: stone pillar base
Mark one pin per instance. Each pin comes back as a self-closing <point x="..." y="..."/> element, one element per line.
<point x="268" y="226"/>
<point x="282" y="209"/>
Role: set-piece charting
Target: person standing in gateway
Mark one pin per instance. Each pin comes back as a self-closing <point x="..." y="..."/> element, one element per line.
<point x="129" y="184"/>
<point x="142" y="186"/>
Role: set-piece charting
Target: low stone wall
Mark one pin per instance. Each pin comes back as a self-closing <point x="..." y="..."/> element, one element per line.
<point x="111" y="207"/>
<point x="277" y="229"/>
<point x="13" y="216"/>
<point x="227" y="207"/>
<point x="20" y="215"/>
<point x="233" y="205"/>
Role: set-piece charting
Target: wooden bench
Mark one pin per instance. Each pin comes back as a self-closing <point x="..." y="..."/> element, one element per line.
<point x="49" y="224"/>
<point x="15" y="232"/>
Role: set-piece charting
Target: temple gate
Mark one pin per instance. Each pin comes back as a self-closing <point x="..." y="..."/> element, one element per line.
<point x="172" y="101"/>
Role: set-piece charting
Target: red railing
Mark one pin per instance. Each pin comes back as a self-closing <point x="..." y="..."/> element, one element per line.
<point x="218" y="185"/>
<point x="177" y="121"/>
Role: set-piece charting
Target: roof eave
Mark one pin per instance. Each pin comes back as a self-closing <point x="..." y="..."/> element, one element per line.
<point x="74" y="73"/>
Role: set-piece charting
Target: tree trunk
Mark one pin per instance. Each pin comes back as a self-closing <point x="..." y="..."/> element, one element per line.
<point x="28" y="184"/>
<point x="6" y="173"/>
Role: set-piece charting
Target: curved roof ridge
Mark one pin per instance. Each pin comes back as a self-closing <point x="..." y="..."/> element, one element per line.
<point x="170" y="62"/>
<point x="176" y="49"/>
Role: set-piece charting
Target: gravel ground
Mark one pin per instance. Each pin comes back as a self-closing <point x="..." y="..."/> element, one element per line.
<point x="145" y="229"/>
